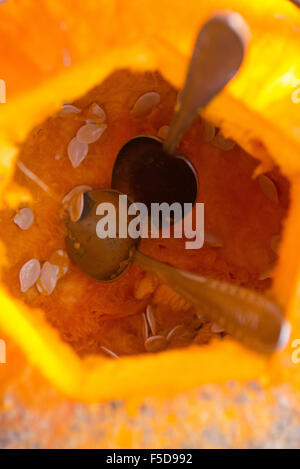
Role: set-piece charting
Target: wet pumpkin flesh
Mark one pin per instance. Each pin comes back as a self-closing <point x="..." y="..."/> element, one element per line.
<point x="256" y="110"/>
<point x="243" y="220"/>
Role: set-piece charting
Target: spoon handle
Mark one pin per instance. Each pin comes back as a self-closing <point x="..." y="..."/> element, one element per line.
<point x="296" y="2"/>
<point x="217" y="56"/>
<point x="250" y="317"/>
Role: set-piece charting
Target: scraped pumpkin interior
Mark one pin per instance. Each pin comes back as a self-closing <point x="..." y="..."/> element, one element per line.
<point x="244" y="213"/>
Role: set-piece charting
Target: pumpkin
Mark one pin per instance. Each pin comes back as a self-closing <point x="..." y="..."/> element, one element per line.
<point x="69" y="50"/>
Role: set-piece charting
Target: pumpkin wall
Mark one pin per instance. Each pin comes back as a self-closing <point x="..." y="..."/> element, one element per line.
<point x="226" y="396"/>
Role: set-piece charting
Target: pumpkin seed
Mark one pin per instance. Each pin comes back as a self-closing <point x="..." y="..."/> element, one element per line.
<point x="48" y="278"/>
<point x="76" y="190"/>
<point x="24" y="218"/>
<point x="77" y="151"/>
<point x="151" y="319"/>
<point x="177" y="330"/>
<point x="225" y="144"/>
<point x="146" y="331"/>
<point x="98" y="112"/>
<point x="268" y="187"/>
<point x="155" y="344"/>
<point x="145" y="104"/>
<point x="109" y="352"/>
<point x="75" y="207"/>
<point x="69" y="109"/>
<point x="35" y="179"/>
<point x="90" y="133"/>
<point x="29" y="274"/>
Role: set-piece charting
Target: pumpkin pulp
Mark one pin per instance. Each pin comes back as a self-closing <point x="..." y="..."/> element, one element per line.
<point x="93" y="317"/>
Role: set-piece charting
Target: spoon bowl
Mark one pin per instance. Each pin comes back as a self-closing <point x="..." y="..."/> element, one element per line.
<point x="104" y="260"/>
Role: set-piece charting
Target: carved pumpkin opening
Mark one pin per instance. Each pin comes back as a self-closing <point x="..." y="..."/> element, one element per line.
<point x="244" y="212"/>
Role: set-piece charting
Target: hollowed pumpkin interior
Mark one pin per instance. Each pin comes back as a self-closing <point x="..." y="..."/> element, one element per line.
<point x="256" y="110"/>
<point x="243" y="222"/>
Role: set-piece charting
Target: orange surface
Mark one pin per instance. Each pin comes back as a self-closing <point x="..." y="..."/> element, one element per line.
<point x="250" y="110"/>
<point x="85" y="311"/>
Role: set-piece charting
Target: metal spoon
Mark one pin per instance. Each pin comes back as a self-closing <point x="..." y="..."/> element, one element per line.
<point x="250" y="317"/>
<point x="144" y="168"/>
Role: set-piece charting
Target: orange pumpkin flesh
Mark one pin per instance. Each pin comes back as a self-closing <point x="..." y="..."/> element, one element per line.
<point x="257" y="101"/>
<point x="236" y="209"/>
